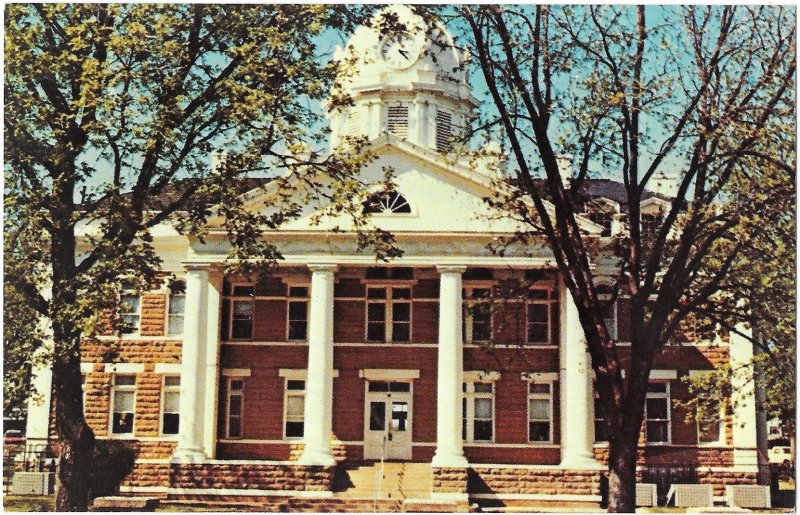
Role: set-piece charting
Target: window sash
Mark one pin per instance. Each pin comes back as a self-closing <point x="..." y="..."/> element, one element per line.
<point x="175" y="313"/>
<point x="478" y="408"/>
<point x="234" y="408"/>
<point x="538" y="323"/>
<point x="130" y="310"/>
<point x="389" y="314"/>
<point x="123" y="405"/>
<point x="170" y="406"/>
<point x="540" y="421"/>
<point x="241" y="319"/>
<point x="657" y="412"/>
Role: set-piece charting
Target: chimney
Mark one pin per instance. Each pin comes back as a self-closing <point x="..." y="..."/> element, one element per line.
<point x="565" y="168"/>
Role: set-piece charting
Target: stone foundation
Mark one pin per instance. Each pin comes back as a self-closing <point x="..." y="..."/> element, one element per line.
<point x="238" y="476"/>
<point x="533" y="481"/>
<point x="449" y="480"/>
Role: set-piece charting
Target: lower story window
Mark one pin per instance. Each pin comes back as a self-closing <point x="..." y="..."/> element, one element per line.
<point x="235" y="404"/>
<point x="657" y="413"/>
<point x="600" y="430"/>
<point x="540" y="412"/>
<point x="477" y="421"/>
<point x="170" y="411"/>
<point x="295" y="408"/>
<point x="709" y="425"/>
<point x="124" y="404"/>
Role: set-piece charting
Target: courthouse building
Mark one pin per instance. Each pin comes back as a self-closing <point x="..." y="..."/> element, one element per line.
<point x="233" y="387"/>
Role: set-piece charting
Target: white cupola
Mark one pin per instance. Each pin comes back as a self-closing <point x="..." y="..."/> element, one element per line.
<point x="405" y="78"/>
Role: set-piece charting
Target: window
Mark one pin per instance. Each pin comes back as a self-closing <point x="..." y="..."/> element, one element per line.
<point x="540" y="412"/>
<point x="298" y="313"/>
<point x="539" y="313"/>
<point x="657" y="413"/>
<point x="610" y="316"/>
<point x="477" y="412"/>
<point x="389" y="314"/>
<point x="129" y="310"/>
<point x="651" y="223"/>
<point x="603" y="218"/>
<point x="709" y="426"/>
<point x="177" y="304"/>
<point x="170" y="405"/>
<point x="600" y="430"/>
<point x="123" y="403"/>
<point x="397" y="120"/>
<point x="235" y="404"/>
<point x="242" y="312"/>
<point x="477" y="323"/>
<point x="444" y="131"/>
<point x="294" y="403"/>
<point x="391" y="202"/>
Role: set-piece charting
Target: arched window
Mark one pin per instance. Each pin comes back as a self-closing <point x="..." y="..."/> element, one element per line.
<point x="391" y="202"/>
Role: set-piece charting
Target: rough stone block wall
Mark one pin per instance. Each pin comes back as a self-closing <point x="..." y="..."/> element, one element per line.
<point x="449" y="480"/>
<point x="131" y="351"/>
<point x="148" y="403"/>
<point x="252" y="476"/>
<point x="678" y="456"/>
<point x="97" y="401"/>
<point x="533" y="481"/>
<point x="153" y="315"/>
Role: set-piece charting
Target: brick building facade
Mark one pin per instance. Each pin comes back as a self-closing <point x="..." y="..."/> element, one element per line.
<point x="228" y="386"/>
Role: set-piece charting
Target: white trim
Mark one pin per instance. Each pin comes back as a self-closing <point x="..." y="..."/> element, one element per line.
<point x="236" y="372"/>
<point x="663" y="374"/>
<point x="388" y="374"/>
<point x="305" y="494"/>
<point x="530" y="445"/>
<point x="87" y="368"/>
<point x="537" y="497"/>
<point x="481" y="376"/>
<point x="167" y="368"/>
<point x="123" y="368"/>
<point x="299" y="374"/>
<point x="598" y="466"/>
<point x="539" y="377"/>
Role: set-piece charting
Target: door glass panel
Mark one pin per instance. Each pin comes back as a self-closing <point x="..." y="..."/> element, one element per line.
<point x="377" y="416"/>
<point x="399" y="387"/>
<point x="399" y="416"/>
<point x="378" y="386"/>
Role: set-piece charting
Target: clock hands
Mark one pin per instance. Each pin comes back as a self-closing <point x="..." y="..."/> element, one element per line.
<point x="402" y="52"/>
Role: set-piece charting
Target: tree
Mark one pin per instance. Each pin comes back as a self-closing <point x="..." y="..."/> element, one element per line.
<point x="704" y="94"/>
<point x="111" y="113"/>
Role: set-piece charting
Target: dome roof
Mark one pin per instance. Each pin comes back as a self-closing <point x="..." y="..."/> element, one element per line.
<point x="399" y="50"/>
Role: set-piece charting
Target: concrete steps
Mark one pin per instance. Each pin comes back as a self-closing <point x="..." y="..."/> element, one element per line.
<point x="393" y="480"/>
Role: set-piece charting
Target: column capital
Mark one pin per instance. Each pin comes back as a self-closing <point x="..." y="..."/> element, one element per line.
<point x="444" y="269"/>
<point x="198" y="267"/>
<point x="323" y="267"/>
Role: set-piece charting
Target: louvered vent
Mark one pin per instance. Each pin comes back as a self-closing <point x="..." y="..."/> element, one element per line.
<point x="444" y="131"/>
<point x="692" y="495"/>
<point x="646" y="494"/>
<point x="354" y="123"/>
<point x="398" y="120"/>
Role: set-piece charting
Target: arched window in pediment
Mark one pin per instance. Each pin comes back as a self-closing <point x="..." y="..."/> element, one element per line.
<point x="391" y="202"/>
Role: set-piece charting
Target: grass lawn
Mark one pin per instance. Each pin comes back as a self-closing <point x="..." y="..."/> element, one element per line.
<point x="29" y="502"/>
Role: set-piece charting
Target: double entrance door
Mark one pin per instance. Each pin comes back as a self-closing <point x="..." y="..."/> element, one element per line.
<point x="387" y="420"/>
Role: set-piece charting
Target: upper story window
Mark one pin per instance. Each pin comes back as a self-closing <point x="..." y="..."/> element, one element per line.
<point x="541" y="324"/>
<point x="391" y="202"/>
<point x="444" y="131"/>
<point x="177" y="304"/>
<point x="477" y="322"/>
<point x="397" y="120"/>
<point x="389" y="314"/>
<point x="241" y="315"/>
<point x="602" y="218"/>
<point x="129" y="306"/>
<point x="651" y="223"/>
<point x="657" y="413"/>
<point x="298" y="313"/>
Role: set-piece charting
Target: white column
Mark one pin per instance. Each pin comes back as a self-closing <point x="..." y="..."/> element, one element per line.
<point x="319" y="385"/>
<point x="449" y="445"/>
<point x="211" y="379"/>
<point x="743" y="400"/>
<point x="577" y="403"/>
<point x="37" y="425"/>
<point x="190" y="435"/>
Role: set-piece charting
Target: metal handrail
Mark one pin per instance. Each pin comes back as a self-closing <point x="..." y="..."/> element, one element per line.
<point x="379" y="482"/>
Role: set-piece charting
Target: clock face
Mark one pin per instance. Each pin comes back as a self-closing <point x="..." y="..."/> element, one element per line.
<point x="401" y="50"/>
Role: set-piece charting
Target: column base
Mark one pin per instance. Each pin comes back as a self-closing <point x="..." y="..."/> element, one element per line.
<point x="316" y="458"/>
<point x="449" y="460"/>
<point x="195" y="455"/>
<point x="583" y="463"/>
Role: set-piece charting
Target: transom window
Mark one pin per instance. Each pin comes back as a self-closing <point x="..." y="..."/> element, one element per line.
<point x="295" y="404"/>
<point x="540" y="412"/>
<point x="391" y="202"/>
<point x="657" y="413"/>
<point x="477" y="412"/>
<point x="389" y="314"/>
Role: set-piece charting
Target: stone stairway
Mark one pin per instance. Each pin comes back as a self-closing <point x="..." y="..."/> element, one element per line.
<point x="393" y="480"/>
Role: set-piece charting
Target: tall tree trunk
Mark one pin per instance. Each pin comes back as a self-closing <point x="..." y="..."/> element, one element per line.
<point x="75" y="438"/>
<point x="622" y="475"/>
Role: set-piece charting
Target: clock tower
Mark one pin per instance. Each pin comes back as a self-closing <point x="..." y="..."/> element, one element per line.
<point x="405" y="78"/>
